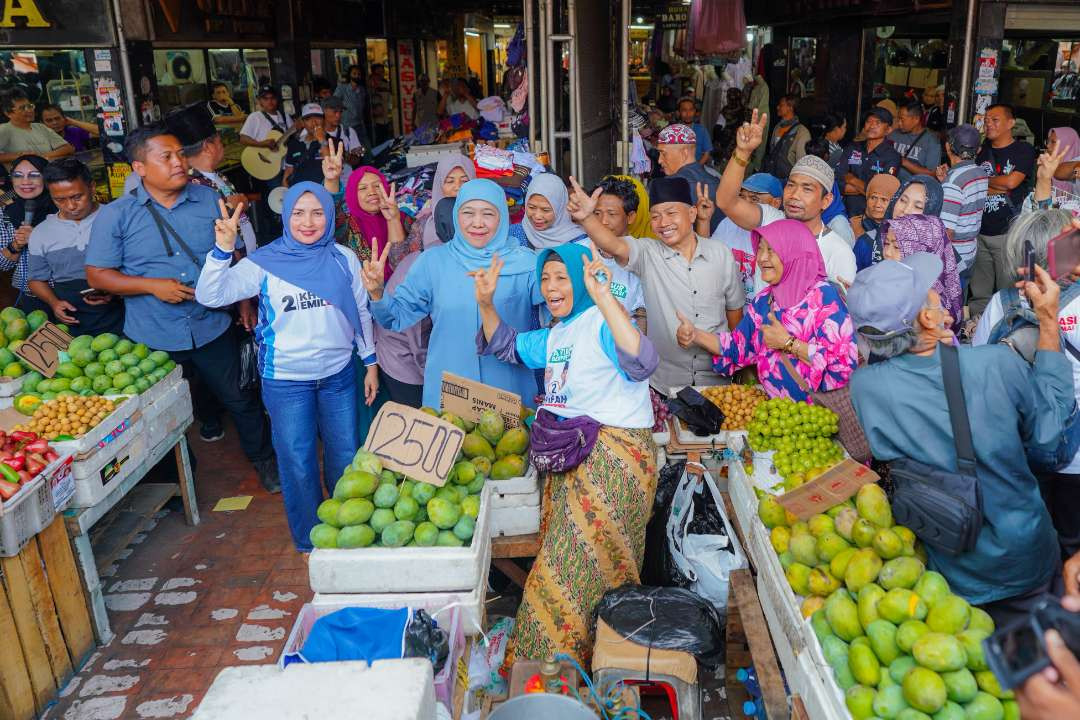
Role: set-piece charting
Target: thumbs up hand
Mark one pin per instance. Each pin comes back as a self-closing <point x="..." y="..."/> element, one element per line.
<point x="686" y="332"/>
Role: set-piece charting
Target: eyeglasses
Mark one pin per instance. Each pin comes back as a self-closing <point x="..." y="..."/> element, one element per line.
<point x="32" y="175"/>
<point x="23" y="108"/>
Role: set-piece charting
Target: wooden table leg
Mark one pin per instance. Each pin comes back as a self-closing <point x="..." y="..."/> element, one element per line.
<point x="186" y="481"/>
<point x="84" y="553"/>
<point x="512" y="570"/>
<point x="761" y="648"/>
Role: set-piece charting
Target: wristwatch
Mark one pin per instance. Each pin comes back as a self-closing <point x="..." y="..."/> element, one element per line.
<point x="789" y="345"/>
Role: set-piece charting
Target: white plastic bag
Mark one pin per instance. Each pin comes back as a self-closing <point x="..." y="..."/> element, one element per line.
<point x="706" y="560"/>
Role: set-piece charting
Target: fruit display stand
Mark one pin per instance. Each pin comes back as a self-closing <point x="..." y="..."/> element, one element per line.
<point x="796" y="647"/>
<point x="429" y="577"/>
<point x="110" y="465"/>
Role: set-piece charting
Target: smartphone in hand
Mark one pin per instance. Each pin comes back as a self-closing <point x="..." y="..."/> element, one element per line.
<point x="1029" y="261"/>
<point x="1063" y="254"/>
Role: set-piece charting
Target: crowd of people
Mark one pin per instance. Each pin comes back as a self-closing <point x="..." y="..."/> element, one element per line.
<point x="835" y="267"/>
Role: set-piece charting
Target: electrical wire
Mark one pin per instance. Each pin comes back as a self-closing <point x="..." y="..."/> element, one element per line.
<point x="612" y="695"/>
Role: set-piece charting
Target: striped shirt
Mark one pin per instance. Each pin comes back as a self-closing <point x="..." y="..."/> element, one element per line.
<point x="7" y="236"/>
<point x="965" y="198"/>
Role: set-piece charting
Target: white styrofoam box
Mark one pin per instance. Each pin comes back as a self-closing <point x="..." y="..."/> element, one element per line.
<point x="386" y="690"/>
<point x="9" y="387"/>
<point x="511" y="521"/>
<point x="427" y="154"/>
<point x="108" y="430"/>
<point x="111" y="469"/>
<point x="171" y="410"/>
<point x="438" y="604"/>
<point x="89" y="465"/>
<point x="512" y="500"/>
<point x="443" y="680"/>
<point x="404" y="569"/>
<point x="26" y="514"/>
<point x="162" y="386"/>
<point x="527" y="483"/>
<point x="662" y="438"/>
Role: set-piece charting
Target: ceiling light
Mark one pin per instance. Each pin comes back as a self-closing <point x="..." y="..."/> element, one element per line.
<point x="639" y="20"/>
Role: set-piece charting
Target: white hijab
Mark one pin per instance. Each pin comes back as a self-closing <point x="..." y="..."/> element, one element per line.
<point x="563" y="230"/>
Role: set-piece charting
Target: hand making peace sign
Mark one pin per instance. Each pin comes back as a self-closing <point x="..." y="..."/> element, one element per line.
<point x="486" y="281"/>
<point x="597" y="276"/>
<point x="332" y="163"/>
<point x="387" y="205"/>
<point x="225" y="227"/>
<point x="705" y="205"/>
<point x="581" y="205"/>
<point x="373" y="273"/>
<point x="750" y="135"/>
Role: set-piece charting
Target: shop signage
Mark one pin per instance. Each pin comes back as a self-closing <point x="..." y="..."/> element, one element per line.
<point x="675" y="17"/>
<point x="456" y="64"/>
<point x="55" y="23"/>
<point x="406" y="83"/>
<point x="200" y="20"/>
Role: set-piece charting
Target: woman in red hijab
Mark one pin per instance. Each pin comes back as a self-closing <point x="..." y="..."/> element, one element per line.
<point x="799" y="317"/>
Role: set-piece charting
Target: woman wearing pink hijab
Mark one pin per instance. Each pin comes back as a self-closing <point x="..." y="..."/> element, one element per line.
<point x="798" y="322"/>
<point x="369" y="213"/>
<point x="1065" y="179"/>
<point x="451" y="173"/>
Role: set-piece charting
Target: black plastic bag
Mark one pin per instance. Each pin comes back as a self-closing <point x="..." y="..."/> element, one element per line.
<point x="425" y="639"/>
<point x="701" y="415"/>
<point x="666" y="618"/>
<point x="249" y="363"/>
<point x="658" y="569"/>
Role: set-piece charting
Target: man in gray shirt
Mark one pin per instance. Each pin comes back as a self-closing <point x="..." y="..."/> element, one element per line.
<point x="353" y="95"/>
<point x="919" y="148"/>
<point x="683" y="275"/>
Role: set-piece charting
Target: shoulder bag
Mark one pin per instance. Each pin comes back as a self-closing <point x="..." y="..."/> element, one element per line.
<point x="942" y="507"/>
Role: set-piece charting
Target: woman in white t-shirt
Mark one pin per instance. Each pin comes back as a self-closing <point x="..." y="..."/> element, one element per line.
<point x="591" y="435"/>
<point x="1060" y="485"/>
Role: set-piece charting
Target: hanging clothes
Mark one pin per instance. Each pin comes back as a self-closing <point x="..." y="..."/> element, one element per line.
<point x="719" y="26"/>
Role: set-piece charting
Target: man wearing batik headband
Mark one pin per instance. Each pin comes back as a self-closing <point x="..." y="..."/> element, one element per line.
<point x="677" y="144"/>
<point x="683" y="275"/>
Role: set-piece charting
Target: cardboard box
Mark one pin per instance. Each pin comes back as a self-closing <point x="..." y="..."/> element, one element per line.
<point x="832" y="487"/>
<point x="468" y="398"/>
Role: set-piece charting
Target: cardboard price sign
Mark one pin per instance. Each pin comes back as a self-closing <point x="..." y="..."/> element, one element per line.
<point x="410" y="441"/>
<point x="832" y="487"/>
<point x="467" y="399"/>
<point x="42" y="349"/>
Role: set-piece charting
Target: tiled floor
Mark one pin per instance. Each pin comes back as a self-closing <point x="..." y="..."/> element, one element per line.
<point x="188" y="601"/>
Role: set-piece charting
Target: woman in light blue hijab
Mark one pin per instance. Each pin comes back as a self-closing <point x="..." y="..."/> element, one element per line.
<point x="438" y="286"/>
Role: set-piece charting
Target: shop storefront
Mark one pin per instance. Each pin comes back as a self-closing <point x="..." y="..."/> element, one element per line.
<point x="1040" y="67"/>
<point x="62" y="53"/>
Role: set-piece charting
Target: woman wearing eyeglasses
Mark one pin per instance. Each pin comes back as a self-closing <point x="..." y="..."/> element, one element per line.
<point x="31" y="205"/>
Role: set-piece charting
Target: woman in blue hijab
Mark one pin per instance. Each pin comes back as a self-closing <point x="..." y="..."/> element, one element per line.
<point x="438" y="287"/>
<point x="598" y="494"/>
<point x="313" y="310"/>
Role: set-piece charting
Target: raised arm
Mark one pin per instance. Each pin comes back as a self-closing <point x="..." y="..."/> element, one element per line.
<point x="220" y="282"/>
<point x="627" y="337"/>
<point x="705" y="209"/>
<point x="1046" y="171"/>
<point x="486" y="281"/>
<point x="743" y="213"/>
<point x="581" y="207"/>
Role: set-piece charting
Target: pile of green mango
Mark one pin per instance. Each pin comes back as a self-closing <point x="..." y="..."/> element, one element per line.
<point x="495" y="451"/>
<point x="900" y="644"/>
<point x="15" y="327"/>
<point x="96" y="365"/>
<point x="373" y="506"/>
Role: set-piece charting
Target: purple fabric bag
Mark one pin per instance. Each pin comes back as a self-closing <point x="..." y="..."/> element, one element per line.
<point x="560" y="444"/>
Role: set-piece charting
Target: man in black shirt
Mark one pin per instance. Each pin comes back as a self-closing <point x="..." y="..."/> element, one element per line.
<point x="1009" y="163"/>
<point x="864" y="159"/>
<point x="303" y="153"/>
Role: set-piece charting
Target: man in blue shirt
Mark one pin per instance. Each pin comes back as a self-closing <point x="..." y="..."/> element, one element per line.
<point x="1012" y="408"/>
<point x="148" y="247"/>
<point x="702" y="135"/>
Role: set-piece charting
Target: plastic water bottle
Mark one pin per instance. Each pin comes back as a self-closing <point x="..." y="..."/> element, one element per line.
<point x="748" y="678"/>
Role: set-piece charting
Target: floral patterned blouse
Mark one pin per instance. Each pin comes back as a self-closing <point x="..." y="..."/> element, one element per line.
<point x="821" y="321"/>
<point x="348" y="234"/>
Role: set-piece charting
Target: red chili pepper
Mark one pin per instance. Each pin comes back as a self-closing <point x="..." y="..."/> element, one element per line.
<point x="50" y="456"/>
<point x="25" y="477"/>
<point x="16" y="463"/>
<point x="8" y="488"/>
<point x="9" y="473"/>
<point x="23" y="435"/>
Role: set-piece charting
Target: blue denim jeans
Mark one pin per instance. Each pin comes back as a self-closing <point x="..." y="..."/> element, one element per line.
<point x="301" y="413"/>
